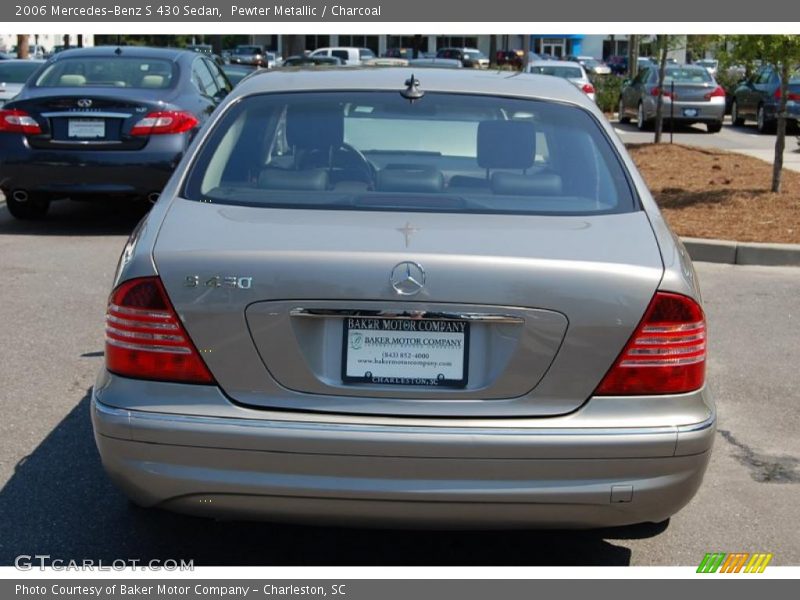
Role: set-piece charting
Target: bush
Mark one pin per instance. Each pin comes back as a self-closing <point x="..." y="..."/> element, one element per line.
<point x="607" y="91"/>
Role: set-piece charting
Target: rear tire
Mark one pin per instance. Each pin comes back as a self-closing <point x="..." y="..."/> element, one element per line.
<point x="762" y="124"/>
<point x="34" y="208"/>
<point x="641" y="123"/>
<point x="735" y="118"/>
<point x="714" y="127"/>
<point x="623" y="118"/>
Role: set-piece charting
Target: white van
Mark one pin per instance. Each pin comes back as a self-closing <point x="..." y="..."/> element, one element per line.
<point x="349" y="56"/>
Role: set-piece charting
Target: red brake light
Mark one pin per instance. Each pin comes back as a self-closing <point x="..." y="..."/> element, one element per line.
<point x="588" y="88"/>
<point x="165" y="121"/>
<point x="718" y="92"/>
<point x="657" y="90"/>
<point x="13" y="120"/>
<point x="145" y="338"/>
<point x="791" y="96"/>
<point x="665" y="355"/>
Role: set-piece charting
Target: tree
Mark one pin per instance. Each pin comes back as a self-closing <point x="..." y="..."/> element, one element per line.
<point x="22" y="45"/>
<point x="662" y="72"/>
<point x="782" y="51"/>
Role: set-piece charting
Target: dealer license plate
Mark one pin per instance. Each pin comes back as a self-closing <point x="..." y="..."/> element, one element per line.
<point x="414" y="352"/>
<point x="86" y="128"/>
<point x="689" y="112"/>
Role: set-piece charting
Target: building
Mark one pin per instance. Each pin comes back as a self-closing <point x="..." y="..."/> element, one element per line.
<point x="47" y="41"/>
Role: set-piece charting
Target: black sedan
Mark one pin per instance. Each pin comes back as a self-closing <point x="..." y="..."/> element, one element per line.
<point x="104" y="124"/>
<point x="758" y="98"/>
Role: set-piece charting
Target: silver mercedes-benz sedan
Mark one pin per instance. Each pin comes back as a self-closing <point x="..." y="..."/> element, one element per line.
<point x="444" y="300"/>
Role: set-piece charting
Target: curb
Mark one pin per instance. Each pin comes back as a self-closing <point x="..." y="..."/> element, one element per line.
<point x="743" y="253"/>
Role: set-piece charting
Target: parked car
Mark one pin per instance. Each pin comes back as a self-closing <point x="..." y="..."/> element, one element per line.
<point x="469" y="57"/>
<point x="758" y="98"/>
<point x="469" y="314"/>
<point x="104" y="123"/>
<point x="593" y="66"/>
<point x="13" y="75"/>
<point x="698" y="97"/>
<point x="406" y="53"/>
<point x="348" y="56"/>
<point x="572" y="71"/>
<point x="514" y="58"/>
<point x="204" y="48"/>
<point x="618" y="64"/>
<point x="436" y="63"/>
<point x="710" y="64"/>
<point x="314" y="61"/>
<point x="249" y="55"/>
<point x="235" y="73"/>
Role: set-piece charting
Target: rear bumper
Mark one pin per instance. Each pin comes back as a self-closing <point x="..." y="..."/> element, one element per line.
<point x="232" y="462"/>
<point x="694" y="112"/>
<point x="71" y="172"/>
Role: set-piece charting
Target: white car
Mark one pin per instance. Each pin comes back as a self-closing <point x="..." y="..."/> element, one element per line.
<point x="348" y="55"/>
<point x="566" y="69"/>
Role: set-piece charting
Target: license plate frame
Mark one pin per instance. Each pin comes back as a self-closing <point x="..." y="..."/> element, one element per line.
<point x="690" y="112"/>
<point x="391" y="371"/>
<point x="86" y="129"/>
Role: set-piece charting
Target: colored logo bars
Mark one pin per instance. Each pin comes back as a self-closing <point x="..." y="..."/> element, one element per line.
<point x="734" y="563"/>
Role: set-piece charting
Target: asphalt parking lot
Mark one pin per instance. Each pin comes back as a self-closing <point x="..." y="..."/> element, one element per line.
<point x="56" y="500"/>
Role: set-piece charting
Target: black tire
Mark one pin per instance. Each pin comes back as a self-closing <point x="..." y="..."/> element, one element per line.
<point x="641" y="123"/>
<point x="32" y="209"/>
<point x="763" y="125"/>
<point x="714" y="126"/>
<point x="622" y="117"/>
<point x="735" y="118"/>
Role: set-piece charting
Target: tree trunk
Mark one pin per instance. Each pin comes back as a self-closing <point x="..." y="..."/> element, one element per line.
<point x="633" y="55"/>
<point x="780" y="138"/>
<point x="493" y="50"/>
<point x="22" y="45"/>
<point x="526" y="52"/>
<point x="294" y="45"/>
<point x="662" y="71"/>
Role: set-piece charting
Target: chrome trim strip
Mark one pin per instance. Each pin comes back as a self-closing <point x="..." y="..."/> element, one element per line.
<point x="85" y="114"/>
<point x="702" y="425"/>
<point x="393" y="429"/>
<point x="335" y="313"/>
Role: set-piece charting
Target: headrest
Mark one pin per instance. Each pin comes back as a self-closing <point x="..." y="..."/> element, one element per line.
<point x="506" y="144"/>
<point x="307" y="180"/>
<point x="410" y="178"/>
<point x="514" y="184"/>
<point x="69" y="80"/>
<point x="153" y="81"/>
<point x="314" y="127"/>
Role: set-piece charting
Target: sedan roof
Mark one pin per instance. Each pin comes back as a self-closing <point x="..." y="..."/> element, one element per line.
<point x="138" y="51"/>
<point x="463" y="81"/>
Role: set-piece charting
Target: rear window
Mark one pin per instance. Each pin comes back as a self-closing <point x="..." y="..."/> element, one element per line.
<point x="102" y="71"/>
<point x="566" y="72"/>
<point x="247" y="50"/>
<point x="795" y="79"/>
<point x="17" y="72"/>
<point x="686" y="75"/>
<point x="378" y="151"/>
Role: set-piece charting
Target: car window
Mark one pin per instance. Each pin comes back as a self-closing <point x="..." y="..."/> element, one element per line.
<point x="642" y="75"/>
<point x="687" y="75"/>
<point x="221" y="81"/>
<point x="107" y="71"/>
<point x="344" y="55"/>
<point x="365" y="53"/>
<point x="17" y="72"/>
<point x="795" y="78"/>
<point x="764" y="76"/>
<point x="203" y="79"/>
<point x="566" y="72"/>
<point x="442" y="153"/>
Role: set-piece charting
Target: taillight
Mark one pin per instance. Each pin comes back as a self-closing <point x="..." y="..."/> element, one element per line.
<point x="165" y="121"/>
<point x="13" y="120"/>
<point x="790" y="96"/>
<point x="145" y="338"/>
<point x="665" y="355"/>
<point x="588" y="88"/>
<point x="657" y="90"/>
<point x="718" y="92"/>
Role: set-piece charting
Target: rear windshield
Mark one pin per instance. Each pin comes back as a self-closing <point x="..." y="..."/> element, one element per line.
<point x="686" y="75"/>
<point x="795" y="79"/>
<point x="566" y="72"/>
<point x="102" y="71"/>
<point x="17" y="72"/>
<point x="378" y="151"/>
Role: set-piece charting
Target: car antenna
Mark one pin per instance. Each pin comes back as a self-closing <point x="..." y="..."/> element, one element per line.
<point x="412" y="91"/>
<point x="118" y="51"/>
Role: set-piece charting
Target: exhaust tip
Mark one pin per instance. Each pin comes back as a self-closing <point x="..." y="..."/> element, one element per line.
<point x="20" y="195"/>
<point x="152" y="197"/>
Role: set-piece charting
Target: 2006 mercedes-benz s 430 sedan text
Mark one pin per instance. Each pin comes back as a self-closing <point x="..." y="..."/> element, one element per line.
<point x="447" y="300"/>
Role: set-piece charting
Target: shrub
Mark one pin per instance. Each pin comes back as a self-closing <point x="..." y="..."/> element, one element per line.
<point x="607" y="91"/>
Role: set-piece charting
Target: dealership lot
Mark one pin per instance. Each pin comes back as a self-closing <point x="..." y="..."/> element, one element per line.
<point x="56" y="500"/>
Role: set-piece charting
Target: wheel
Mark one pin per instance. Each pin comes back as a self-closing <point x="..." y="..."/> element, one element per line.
<point x="641" y="123"/>
<point x="714" y="126"/>
<point x="31" y="209"/>
<point x="762" y="124"/>
<point x="623" y="118"/>
<point x="735" y="118"/>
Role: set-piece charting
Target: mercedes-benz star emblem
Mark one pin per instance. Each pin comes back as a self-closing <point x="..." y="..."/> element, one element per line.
<point x="407" y="278"/>
<point x="84" y="102"/>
